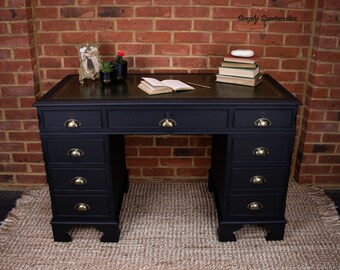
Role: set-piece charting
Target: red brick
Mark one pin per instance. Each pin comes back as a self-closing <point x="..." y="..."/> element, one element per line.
<point x="17" y="91"/>
<point x="173" y="25"/>
<point x="158" y="151"/>
<point x="229" y="38"/>
<point x="295" y="64"/>
<point x="12" y="147"/>
<point x="192" y="172"/>
<point x="77" y="12"/>
<point x="152" y="37"/>
<point x="57" y="2"/>
<point x="158" y="172"/>
<point x="142" y="162"/>
<point x="31" y="179"/>
<point x="7" y="78"/>
<point x="78" y="37"/>
<point x="154" y="11"/>
<point x="12" y="168"/>
<point x="46" y="12"/>
<point x="24" y="136"/>
<point x="204" y="25"/>
<point x="176" y="162"/>
<point x="27" y="157"/>
<point x="20" y="114"/>
<point x="329" y="159"/>
<point x="59" y="25"/>
<point x="191" y="12"/>
<point x="191" y="37"/>
<point x="312" y="169"/>
<point x="172" y="141"/>
<point x="97" y="25"/>
<point x="115" y="11"/>
<point x="172" y="49"/>
<point x="5" y="54"/>
<point x="192" y="62"/>
<point x="152" y="62"/>
<point x="248" y="3"/>
<point x="134" y="24"/>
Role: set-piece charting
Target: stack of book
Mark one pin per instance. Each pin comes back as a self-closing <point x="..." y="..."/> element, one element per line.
<point x="239" y="70"/>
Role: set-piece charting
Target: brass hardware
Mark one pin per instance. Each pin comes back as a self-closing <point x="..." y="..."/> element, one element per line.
<point x="82" y="207"/>
<point x="72" y="123"/>
<point x="260" y="151"/>
<point x="257" y="180"/>
<point x="75" y="153"/>
<point x="263" y="122"/>
<point x="254" y="206"/>
<point x="79" y="181"/>
<point x="167" y="122"/>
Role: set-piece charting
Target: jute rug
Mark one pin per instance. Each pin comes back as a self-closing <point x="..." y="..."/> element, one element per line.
<point x="173" y="226"/>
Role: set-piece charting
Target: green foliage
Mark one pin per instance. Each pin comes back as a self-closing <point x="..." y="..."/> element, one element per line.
<point x="106" y="66"/>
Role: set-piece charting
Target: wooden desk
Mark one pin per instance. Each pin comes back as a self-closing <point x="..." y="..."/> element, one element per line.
<point x="82" y="133"/>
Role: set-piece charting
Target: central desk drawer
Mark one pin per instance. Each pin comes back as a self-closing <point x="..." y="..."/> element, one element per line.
<point x="163" y="120"/>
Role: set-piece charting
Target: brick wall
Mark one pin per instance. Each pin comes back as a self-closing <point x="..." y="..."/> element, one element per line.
<point x="37" y="49"/>
<point x="319" y="148"/>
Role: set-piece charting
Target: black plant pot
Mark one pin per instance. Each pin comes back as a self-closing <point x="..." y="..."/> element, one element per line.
<point x="121" y="71"/>
<point x="107" y="78"/>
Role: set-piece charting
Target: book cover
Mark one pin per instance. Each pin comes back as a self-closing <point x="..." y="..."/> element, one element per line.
<point x="239" y="72"/>
<point x="237" y="65"/>
<point x="239" y="80"/>
<point x="248" y="60"/>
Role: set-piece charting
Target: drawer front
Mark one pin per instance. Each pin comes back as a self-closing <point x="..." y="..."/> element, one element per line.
<point x="263" y="120"/>
<point x="259" y="178"/>
<point x="261" y="150"/>
<point x="78" y="179"/>
<point x="75" y="151"/>
<point x="162" y="120"/>
<point x="81" y="206"/>
<point x="71" y="120"/>
<point x="255" y="205"/>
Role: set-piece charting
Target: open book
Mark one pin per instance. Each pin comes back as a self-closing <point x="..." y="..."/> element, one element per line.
<point x="153" y="86"/>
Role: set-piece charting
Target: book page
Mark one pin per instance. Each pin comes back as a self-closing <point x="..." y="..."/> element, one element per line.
<point x="153" y="82"/>
<point x="177" y="85"/>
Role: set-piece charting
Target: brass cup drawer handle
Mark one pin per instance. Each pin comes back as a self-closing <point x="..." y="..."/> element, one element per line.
<point x="260" y="151"/>
<point x="167" y="123"/>
<point x="79" y="181"/>
<point x="82" y="207"/>
<point x="254" y="206"/>
<point x="75" y="153"/>
<point x="72" y="123"/>
<point x="263" y="122"/>
<point x="258" y="180"/>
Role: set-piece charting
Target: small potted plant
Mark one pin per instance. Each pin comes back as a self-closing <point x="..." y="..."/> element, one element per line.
<point x="120" y="66"/>
<point x="107" y="73"/>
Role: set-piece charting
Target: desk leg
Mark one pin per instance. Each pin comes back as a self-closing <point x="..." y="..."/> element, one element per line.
<point x="275" y="231"/>
<point x="226" y="231"/>
<point x="111" y="232"/>
<point x="60" y="232"/>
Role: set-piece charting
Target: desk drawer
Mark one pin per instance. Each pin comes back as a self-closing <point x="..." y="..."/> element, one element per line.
<point x="75" y="151"/>
<point x="71" y="120"/>
<point x="78" y="179"/>
<point x="165" y="120"/>
<point x="81" y="206"/>
<point x="263" y="119"/>
<point x="255" y="205"/>
<point x="259" y="178"/>
<point x="261" y="150"/>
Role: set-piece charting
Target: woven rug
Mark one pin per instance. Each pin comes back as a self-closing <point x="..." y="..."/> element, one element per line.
<point x="173" y="226"/>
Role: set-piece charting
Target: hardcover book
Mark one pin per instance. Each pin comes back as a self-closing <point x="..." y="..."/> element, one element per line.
<point x="239" y="80"/>
<point x="240" y="72"/>
<point x="153" y="86"/>
<point x="248" y="60"/>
